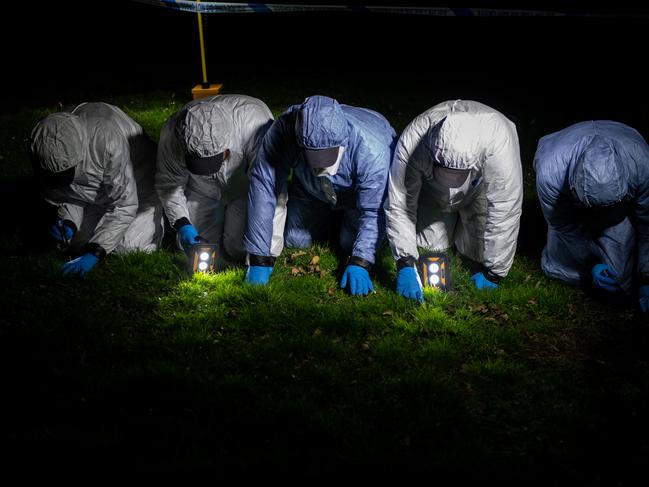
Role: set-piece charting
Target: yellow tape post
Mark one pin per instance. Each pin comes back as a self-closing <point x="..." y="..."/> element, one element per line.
<point x="205" y="88"/>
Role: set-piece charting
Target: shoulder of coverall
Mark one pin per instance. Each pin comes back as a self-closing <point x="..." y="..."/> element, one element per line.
<point x="282" y="130"/>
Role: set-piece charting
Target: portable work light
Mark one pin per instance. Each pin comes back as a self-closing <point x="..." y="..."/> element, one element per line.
<point x="434" y="270"/>
<point x="202" y="257"/>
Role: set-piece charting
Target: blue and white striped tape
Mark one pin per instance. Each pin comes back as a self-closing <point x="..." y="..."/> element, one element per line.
<point x="227" y="7"/>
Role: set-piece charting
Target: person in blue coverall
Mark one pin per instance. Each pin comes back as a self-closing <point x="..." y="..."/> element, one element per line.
<point x="592" y="180"/>
<point x="340" y="156"/>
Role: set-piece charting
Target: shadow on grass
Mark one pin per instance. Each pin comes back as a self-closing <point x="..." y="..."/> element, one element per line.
<point x="532" y="234"/>
<point x="26" y="218"/>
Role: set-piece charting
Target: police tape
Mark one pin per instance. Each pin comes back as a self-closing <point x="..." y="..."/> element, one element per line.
<point x="238" y="8"/>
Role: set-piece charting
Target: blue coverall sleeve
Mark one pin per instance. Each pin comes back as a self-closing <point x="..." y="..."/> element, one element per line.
<point x="642" y="219"/>
<point x="559" y="210"/>
<point x="268" y="178"/>
<point x="371" y="193"/>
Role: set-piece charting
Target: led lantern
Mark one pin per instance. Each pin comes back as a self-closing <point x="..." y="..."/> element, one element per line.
<point x="202" y="257"/>
<point x="435" y="271"/>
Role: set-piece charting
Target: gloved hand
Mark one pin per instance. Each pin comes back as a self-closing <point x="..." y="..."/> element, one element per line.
<point x="643" y="293"/>
<point x="59" y="228"/>
<point x="481" y="282"/>
<point x="358" y="279"/>
<point x="409" y="285"/>
<point x="188" y="236"/>
<point x="80" y="265"/>
<point x="604" y="277"/>
<point x="258" y="274"/>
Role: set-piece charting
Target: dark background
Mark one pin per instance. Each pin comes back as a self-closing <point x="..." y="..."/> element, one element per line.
<point x="556" y="68"/>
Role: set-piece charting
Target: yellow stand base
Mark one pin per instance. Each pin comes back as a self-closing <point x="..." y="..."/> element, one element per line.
<point x="199" y="92"/>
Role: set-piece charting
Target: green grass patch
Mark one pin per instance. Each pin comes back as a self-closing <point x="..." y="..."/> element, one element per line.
<point x="142" y="366"/>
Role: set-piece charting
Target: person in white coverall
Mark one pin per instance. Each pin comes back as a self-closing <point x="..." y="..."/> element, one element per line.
<point x="205" y="152"/>
<point x="96" y="166"/>
<point x="456" y="180"/>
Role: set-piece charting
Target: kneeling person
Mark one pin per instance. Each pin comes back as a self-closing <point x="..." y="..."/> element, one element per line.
<point x="205" y="152"/>
<point x="340" y="157"/>
<point x="592" y="179"/>
<point x="456" y="181"/>
<point x="96" y="166"/>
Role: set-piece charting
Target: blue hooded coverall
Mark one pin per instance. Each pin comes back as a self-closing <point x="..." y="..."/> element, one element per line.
<point x="358" y="187"/>
<point x="594" y="164"/>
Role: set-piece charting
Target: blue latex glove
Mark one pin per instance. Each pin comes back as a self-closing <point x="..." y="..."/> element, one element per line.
<point x="80" y="265"/>
<point x="358" y="279"/>
<point x="60" y="228"/>
<point x="258" y="274"/>
<point x="481" y="282"/>
<point x="604" y="277"/>
<point x="643" y="292"/>
<point x="188" y="236"/>
<point x="409" y="285"/>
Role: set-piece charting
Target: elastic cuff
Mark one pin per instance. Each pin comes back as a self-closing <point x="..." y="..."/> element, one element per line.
<point x="360" y="262"/>
<point x="95" y="249"/>
<point x="407" y="261"/>
<point x="181" y="222"/>
<point x="70" y="224"/>
<point x="261" y="260"/>
<point x="495" y="278"/>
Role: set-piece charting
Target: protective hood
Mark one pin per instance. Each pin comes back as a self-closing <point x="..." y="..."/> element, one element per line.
<point x="458" y="140"/>
<point x="320" y="123"/>
<point x="205" y="130"/>
<point x="598" y="177"/>
<point x="58" y="142"/>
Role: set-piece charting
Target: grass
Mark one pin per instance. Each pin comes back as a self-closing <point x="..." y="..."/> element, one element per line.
<point x="141" y="367"/>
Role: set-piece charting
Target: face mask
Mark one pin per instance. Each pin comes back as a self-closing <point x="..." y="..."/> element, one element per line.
<point x="329" y="170"/>
<point x="206" y="166"/>
<point x="597" y="219"/>
<point x="450" y="178"/>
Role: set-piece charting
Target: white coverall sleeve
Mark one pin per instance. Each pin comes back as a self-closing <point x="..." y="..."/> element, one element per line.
<point x="258" y="119"/>
<point x="120" y="190"/>
<point x="503" y="179"/>
<point x="171" y="175"/>
<point x="404" y="186"/>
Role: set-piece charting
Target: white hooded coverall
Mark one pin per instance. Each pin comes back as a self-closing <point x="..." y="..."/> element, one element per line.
<point x="111" y="200"/>
<point x="480" y="217"/>
<point x="214" y="204"/>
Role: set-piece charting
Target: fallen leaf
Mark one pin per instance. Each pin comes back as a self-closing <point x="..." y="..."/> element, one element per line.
<point x="297" y="254"/>
<point x="330" y="291"/>
<point x="296" y="271"/>
<point x="314" y="260"/>
<point x="388" y="313"/>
